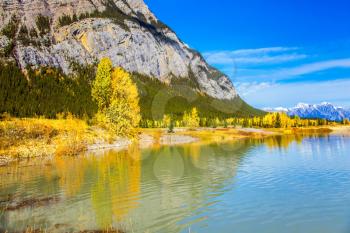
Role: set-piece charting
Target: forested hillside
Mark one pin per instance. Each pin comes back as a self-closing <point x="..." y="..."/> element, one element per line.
<point x="48" y="92"/>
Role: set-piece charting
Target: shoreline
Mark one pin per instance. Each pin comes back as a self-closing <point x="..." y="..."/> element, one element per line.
<point x="57" y="139"/>
<point x="341" y="131"/>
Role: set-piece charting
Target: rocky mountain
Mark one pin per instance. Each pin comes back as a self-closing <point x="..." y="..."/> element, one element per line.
<point x="58" y="32"/>
<point x="323" y="111"/>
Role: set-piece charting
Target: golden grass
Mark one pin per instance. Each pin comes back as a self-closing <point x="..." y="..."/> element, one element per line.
<point x="40" y="230"/>
<point x="25" y="138"/>
<point x="304" y="130"/>
<point x="223" y="134"/>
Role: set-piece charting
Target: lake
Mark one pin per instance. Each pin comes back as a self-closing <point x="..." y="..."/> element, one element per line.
<point x="279" y="184"/>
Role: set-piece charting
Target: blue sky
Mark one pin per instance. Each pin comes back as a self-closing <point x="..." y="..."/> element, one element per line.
<point x="277" y="53"/>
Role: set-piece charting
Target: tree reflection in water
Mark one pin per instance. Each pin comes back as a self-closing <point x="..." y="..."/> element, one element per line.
<point x="158" y="189"/>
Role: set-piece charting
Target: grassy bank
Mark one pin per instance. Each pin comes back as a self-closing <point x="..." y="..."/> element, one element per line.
<point x="35" y="137"/>
<point x="25" y="138"/>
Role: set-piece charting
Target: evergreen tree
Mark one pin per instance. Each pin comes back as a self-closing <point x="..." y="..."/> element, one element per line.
<point x="245" y="123"/>
<point x="45" y="92"/>
<point x="171" y="127"/>
<point x="225" y="124"/>
<point x="278" y="123"/>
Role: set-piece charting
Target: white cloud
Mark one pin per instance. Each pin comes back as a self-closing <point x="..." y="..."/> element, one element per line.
<point x="242" y="52"/>
<point x="270" y="59"/>
<point x="247" y="88"/>
<point x="254" y="56"/>
<point x="318" y="66"/>
<point x="285" y="73"/>
<point x="256" y="74"/>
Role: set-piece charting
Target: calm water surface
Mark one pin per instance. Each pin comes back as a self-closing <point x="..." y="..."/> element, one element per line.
<point x="283" y="184"/>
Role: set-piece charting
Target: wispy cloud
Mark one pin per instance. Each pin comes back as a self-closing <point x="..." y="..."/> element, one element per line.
<point x="248" y="88"/>
<point x="318" y="66"/>
<point x="280" y="74"/>
<point x="263" y="50"/>
<point x="258" y="56"/>
<point x="284" y="76"/>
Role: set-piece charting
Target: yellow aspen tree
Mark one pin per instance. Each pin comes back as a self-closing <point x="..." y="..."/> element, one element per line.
<point x="124" y="111"/>
<point x="101" y="87"/>
<point x="166" y="121"/>
<point x="185" y="119"/>
<point x="194" y="118"/>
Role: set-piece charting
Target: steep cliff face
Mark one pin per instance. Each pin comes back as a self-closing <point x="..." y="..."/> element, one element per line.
<point x="59" y="32"/>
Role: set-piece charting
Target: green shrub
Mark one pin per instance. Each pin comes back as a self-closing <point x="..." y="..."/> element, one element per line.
<point x="8" y="49"/>
<point x="23" y="36"/>
<point x="33" y="33"/>
<point x="11" y="28"/>
<point x="65" y="20"/>
<point x="43" y="24"/>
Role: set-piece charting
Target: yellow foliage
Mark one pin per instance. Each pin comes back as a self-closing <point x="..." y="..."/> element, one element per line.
<point x="117" y="98"/>
<point x="85" y="42"/>
<point x="124" y="111"/>
<point x="34" y="137"/>
<point x="101" y="119"/>
<point x="118" y="176"/>
<point x="166" y="121"/>
<point x="191" y="119"/>
<point x="101" y="88"/>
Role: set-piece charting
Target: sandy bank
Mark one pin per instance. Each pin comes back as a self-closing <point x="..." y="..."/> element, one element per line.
<point x="341" y="130"/>
<point x="144" y="141"/>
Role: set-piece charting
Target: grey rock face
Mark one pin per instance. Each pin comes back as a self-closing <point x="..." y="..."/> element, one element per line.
<point x="4" y="41"/>
<point x="134" y="40"/>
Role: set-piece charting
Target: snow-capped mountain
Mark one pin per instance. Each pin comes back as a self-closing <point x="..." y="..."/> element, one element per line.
<point x="324" y="111"/>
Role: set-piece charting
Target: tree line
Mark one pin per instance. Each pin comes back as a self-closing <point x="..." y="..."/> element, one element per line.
<point x="270" y="120"/>
<point x="46" y="92"/>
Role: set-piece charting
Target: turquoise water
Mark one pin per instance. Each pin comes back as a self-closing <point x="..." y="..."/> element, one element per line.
<point x="283" y="184"/>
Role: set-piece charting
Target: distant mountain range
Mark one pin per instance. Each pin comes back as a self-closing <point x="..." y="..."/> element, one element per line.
<point x="323" y="111"/>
